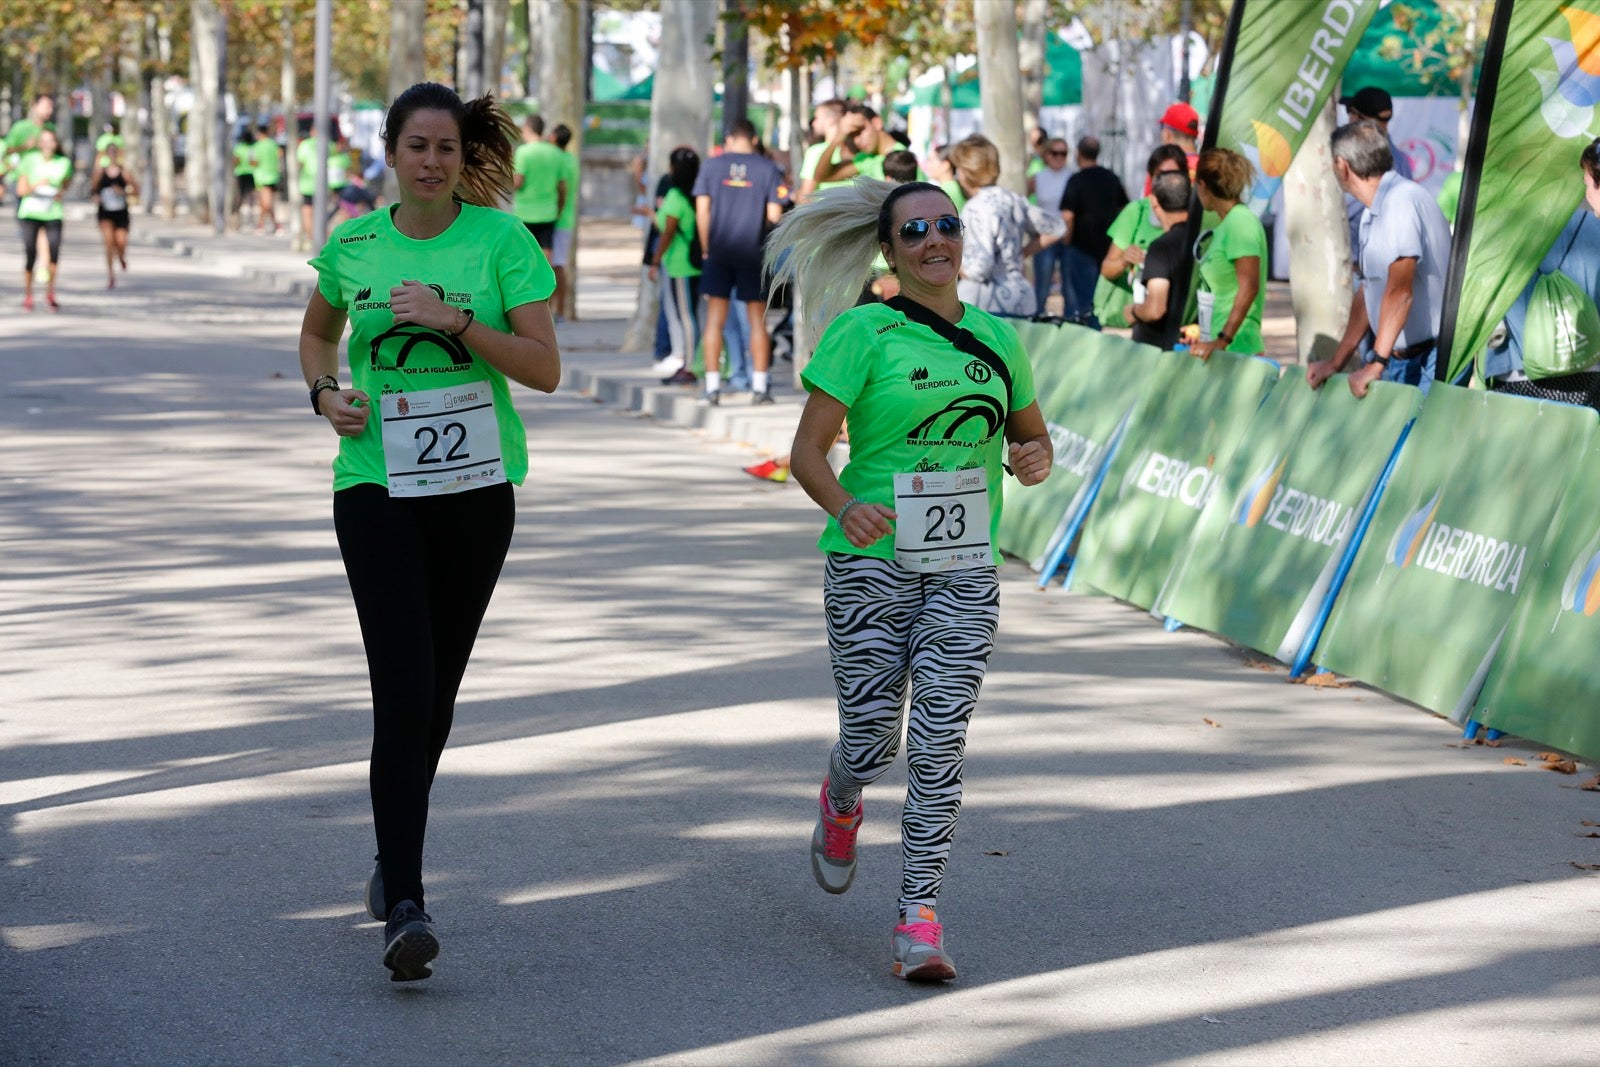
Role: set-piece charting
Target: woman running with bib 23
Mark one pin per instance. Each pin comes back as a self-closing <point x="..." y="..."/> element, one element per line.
<point x="934" y="389"/>
<point x="446" y="300"/>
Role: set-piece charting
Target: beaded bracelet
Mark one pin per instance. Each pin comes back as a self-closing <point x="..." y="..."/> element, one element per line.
<point x="852" y="502"/>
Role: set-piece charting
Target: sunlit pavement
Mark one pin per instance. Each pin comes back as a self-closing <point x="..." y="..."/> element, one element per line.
<point x="618" y="851"/>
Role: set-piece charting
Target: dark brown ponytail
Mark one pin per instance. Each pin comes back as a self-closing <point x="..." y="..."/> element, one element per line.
<point x="488" y="142"/>
<point x="488" y="139"/>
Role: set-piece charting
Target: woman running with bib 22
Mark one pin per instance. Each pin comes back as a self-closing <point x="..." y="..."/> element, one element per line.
<point x="446" y="300"/>
<point x="934" y="389"/>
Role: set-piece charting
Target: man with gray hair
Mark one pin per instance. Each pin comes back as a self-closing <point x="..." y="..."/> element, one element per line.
<point x="1402" y="251"/>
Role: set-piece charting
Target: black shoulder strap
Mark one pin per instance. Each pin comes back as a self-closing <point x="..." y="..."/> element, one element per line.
<point x="963" y="340"/>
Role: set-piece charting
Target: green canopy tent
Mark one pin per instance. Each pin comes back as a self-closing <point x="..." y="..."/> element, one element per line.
<point x="1063" y="81"/>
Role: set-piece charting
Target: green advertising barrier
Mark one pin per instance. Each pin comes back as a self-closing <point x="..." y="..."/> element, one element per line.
<point x="1263" y="554"/>
<point x="1192" y="415"/>
<point x="1087" y="382"/>
<point x="1453" y="545"/>
<point x="1543" y="685"/>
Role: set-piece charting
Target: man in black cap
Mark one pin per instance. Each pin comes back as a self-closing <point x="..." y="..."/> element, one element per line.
<point x="1377" y="105"/>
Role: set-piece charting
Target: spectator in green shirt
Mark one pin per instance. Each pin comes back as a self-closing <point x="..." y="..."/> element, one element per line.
<point x="25" y="132"/>
<point x="541" y="183"/>
<point x="567" y="221"/>
<point x="857" y="138"/>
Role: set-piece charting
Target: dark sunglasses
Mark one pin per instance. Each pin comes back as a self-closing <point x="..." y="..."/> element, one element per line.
<point x="1056" y="154"/>
<point x="913" y="231"/>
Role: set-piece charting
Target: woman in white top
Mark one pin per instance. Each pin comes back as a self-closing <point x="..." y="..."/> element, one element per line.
<point x="1002" y="229"/>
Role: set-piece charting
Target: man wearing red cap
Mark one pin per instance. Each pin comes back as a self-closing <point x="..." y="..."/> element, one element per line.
<point x="1180" y="125"/>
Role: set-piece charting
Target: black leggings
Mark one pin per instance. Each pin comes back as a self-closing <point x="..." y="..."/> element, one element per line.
<point x="30" y="241"/>
<point x="422" y="570"/>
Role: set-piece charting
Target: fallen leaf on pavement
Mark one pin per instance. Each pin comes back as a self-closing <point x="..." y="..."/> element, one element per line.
<point x="1591" y="833"/>
<point x="1491" y="744"/>
<point x="1209" y="1019"/>
<point x="1260" y="665"/>
<point x="1212" y="722"/>
<point x="1585" y="866"/>
<point x="1007" y="852"/>
<point x="1322" y="681"/>
<point x="1515" y="762"/>
<point x="1592" y="785"/>
<point x="1550" y="757"/>
<point x="1565" y="766"/>
<point x="1588" y="822"/>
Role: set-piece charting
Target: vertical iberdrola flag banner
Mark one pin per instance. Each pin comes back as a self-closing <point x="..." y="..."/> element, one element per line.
<point x="1522" y="181"/>
<point x="1286" y="62"/>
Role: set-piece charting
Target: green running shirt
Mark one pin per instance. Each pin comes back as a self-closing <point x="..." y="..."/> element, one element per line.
<point x="486" y="261"/>
<point x="542" y="165"/>
<point x="44" y="174"/>
<point x="915" y="404"/>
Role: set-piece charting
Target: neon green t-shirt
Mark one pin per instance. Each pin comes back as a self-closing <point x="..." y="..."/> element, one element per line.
<point x="915" y="404"/>
<point x="22" y="132"/>
<point x="269" y="167"/>
<point x="1237" y="236"/>
<point x="46" y="177"/>
<point x="338" y="169"/>
<point x="486" y="261"/>
<point x="675" y="260"/>
<point x="542" y="167"/>
<point x="569" y="214"/>
<point x="1134" y="227"/>
<point x="808" y="165"/>
<point x="870" y="165"/>
<point x="305" y="155"/>
<point x="243" y="159"/>
<point x="957" y="195"/>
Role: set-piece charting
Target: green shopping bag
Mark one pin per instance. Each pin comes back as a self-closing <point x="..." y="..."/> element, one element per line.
<point x="1562" y="333"/>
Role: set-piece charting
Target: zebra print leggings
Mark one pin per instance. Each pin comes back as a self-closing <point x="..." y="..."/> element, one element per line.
<point x="889" y="627"/>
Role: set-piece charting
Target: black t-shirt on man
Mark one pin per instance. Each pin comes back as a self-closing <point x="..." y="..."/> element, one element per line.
<point x="1095" y="196"/>
<point x="1164" y="260"/>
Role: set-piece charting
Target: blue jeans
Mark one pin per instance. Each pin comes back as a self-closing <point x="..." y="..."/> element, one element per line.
<point x="1080" y="272"/>
<point x="736" y="345"/>
<point x="1417" y="371"/>
<point x="1045" y="266"/>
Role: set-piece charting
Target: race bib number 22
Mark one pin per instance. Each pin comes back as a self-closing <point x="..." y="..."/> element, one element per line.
<point x="441" y="440"/>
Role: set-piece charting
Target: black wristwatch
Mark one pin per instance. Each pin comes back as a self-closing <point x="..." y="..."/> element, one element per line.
<point x="321" y="385"/>
<point x="1382" y="361"/>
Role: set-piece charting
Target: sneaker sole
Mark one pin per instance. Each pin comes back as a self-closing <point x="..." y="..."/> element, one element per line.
<point x="935" y="970"/>
<point x="409" y="952"/>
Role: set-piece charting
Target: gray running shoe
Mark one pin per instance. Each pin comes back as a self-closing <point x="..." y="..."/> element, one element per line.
<point x="919" y="954"/>
<point x="409" y="943"/>
<point x="833" y="845"/>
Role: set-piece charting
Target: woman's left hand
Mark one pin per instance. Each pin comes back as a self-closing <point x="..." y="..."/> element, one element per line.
<point x="1030" y="462"/>
<point x="412" y="301"/>
<point x="1202" y="349"/>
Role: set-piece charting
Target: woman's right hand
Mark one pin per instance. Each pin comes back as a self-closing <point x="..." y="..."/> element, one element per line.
<point x="866" y="524"/>
<point x="346" y="410"/>
<point x="655" y="272"/>
<point x="1133" y="254"/>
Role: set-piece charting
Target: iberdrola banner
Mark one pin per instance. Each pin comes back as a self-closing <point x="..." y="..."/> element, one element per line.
<point x="1286" y="61"/>
<point x="1546" y="92"/>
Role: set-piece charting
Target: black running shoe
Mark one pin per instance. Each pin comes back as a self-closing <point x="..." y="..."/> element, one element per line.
<point x="681" y="377"/>
<point x="409" y="943"/>
<point x="762" y="398"/>
<point x="375" y="903"/>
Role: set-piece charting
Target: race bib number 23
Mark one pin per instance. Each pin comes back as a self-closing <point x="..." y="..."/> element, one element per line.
<point x="943" y="522"/>
<point x="441" y="440"/>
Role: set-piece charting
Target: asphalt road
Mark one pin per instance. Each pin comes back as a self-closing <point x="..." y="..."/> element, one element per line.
<point x="617" y="858"/>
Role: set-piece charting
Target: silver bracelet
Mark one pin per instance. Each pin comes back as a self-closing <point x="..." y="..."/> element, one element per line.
<point x="852" y="502"/>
